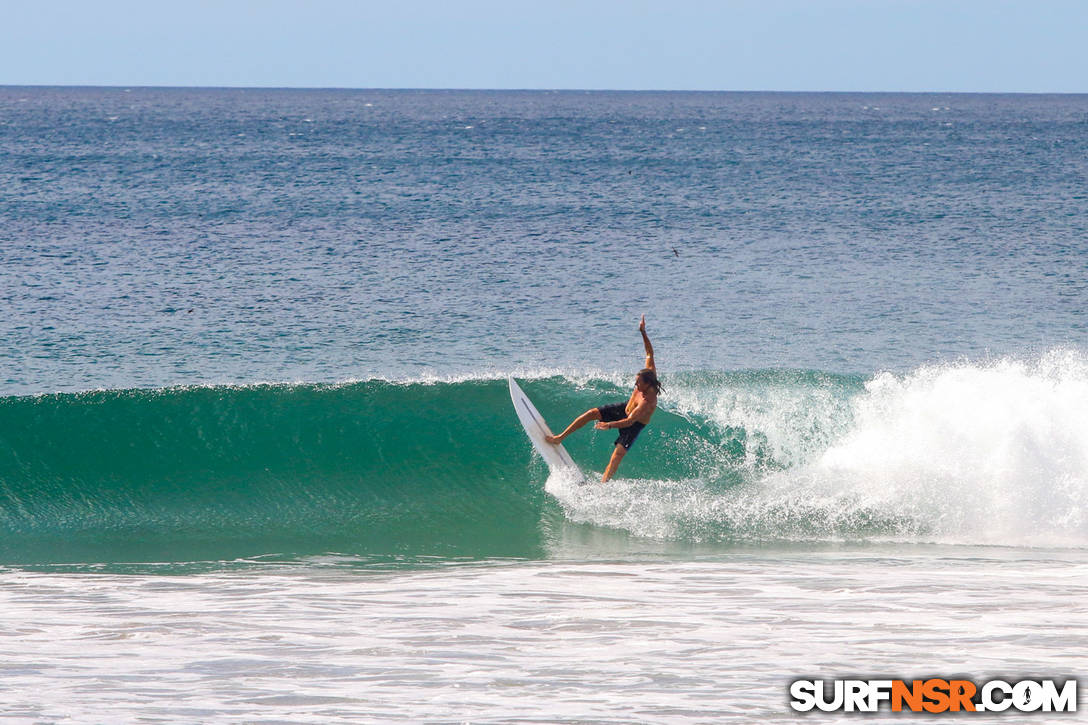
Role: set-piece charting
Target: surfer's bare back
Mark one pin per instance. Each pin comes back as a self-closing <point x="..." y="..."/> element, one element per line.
<point x="630" y="417"/>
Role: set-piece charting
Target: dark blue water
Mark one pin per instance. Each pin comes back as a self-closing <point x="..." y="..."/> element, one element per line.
<point x="163" y="236"/>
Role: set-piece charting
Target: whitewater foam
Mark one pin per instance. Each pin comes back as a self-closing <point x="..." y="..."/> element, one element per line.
<point x="992" y="453"/>
<point x="977" y="453"/>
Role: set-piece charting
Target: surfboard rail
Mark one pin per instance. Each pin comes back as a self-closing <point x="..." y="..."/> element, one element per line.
<point x="555" y="455"/>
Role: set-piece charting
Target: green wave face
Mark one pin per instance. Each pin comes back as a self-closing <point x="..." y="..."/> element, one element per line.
<point x="182" y="474"/>
<point x="963" y="453"/>
<point x="365" y="469"/>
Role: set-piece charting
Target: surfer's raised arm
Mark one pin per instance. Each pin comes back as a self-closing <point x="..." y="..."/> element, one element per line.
<point x="647" y="345"/>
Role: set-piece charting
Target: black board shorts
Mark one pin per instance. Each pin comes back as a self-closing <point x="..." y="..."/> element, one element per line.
<point x="618" y="411"/>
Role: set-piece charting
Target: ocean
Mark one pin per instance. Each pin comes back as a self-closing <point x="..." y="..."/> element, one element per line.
<point x="258" y="460"/>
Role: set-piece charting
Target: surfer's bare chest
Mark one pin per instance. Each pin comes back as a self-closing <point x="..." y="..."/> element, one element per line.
<point x="636" y="400"/>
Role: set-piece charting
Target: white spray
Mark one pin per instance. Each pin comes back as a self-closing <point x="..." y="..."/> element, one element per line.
<point x="993" y="453"/>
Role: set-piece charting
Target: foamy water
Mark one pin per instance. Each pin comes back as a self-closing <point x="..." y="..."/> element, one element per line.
<point x="648" y="640"/>
<point x="973" y="453"/>
<point x="992" y="453"/>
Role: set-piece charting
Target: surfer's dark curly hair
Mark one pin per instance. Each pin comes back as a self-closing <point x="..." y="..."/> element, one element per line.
<point x="649" y="377"/>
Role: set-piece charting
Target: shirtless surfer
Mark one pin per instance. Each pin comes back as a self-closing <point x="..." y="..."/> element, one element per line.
<point x="631" y="417"/>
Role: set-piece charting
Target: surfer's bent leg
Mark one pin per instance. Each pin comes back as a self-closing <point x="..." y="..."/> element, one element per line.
<point x="617" y="455"/>
<point x="591" y="414"/>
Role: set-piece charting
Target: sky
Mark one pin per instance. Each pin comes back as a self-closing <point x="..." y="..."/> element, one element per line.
<point x="1035" y="46"/>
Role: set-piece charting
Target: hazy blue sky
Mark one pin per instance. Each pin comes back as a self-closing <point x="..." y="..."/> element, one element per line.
<point x="848" y="45"/>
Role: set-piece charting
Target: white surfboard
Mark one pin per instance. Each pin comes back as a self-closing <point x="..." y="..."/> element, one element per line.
<point x="555" y="456"/>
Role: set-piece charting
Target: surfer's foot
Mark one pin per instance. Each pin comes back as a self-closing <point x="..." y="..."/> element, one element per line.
<point x="554" y="440"/>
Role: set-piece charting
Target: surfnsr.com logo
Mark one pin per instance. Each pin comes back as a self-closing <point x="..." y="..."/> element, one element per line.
<point x="934" y="695"/>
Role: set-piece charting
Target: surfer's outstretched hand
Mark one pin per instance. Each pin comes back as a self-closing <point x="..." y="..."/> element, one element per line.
<point x="642" y="324"/>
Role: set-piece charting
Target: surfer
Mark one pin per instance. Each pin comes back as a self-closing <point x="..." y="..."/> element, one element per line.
<point x="630" y="417"/>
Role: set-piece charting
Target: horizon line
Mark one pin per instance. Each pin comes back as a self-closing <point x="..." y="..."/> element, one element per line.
<point x="105" y="86"/>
